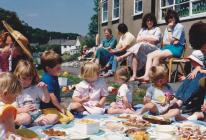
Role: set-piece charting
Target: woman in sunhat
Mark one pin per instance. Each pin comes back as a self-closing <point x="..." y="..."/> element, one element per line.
<point x="17" y="44"/>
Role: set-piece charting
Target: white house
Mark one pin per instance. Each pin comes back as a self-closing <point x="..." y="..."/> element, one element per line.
<point x="71" y="46"/>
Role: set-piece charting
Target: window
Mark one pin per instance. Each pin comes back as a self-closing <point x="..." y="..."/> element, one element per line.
<point x="137" y="7"/>
<point x="185" y="8"/>
<point x="104" y="11"/>
<point x="115" y="10"/>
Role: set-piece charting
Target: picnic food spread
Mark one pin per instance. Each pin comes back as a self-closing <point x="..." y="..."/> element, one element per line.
<point x="52" y="132"/>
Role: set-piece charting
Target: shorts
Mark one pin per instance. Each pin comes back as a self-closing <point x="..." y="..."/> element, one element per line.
<point x="176" y="50"/>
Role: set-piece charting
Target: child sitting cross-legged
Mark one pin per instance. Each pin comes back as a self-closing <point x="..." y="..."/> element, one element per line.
<point x="29" y="101"/>
<point x="159" y="94"/>
<point x="90" y="94"/>
<point x="123" y="102"/>
<point x="10" y="88"/>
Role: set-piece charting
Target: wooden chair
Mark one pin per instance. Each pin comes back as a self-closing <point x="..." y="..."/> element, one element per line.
<point x="170" y="62"/>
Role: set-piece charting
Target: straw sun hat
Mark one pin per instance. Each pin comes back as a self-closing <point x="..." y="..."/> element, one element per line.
<point x="19" y="38"/>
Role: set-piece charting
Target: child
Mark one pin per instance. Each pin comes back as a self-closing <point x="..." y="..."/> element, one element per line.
<point x="123" y="102"/>
<point x="51" y="64"/>
<point x="158" y="94"/>
<point x="29" y="101"/>
<point x="90" y="94"/>
<point x="10" y="87"/>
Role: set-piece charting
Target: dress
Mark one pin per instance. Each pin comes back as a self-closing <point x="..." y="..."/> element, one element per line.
<point x="143" y="48"/>
<point x="102" y="53"/>
<point x="95" y="91"/>
<point x="177" y="33"/>
<point x="125" y="90"/>
<point x="158" y="97"/>
<point x="31" y="95"/>
<point x="53" y="87"/>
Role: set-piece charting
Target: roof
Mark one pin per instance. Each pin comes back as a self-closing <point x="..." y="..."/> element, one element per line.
<point x="56" y="41"/>
<point x="69" y="43"/>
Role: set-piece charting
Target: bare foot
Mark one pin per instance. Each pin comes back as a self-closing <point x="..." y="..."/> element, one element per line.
<point x="133" y="78"/>
<point x="143" y="79"/>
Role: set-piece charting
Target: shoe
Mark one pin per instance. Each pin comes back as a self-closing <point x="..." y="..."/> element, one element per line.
<point x="108" y="74"/>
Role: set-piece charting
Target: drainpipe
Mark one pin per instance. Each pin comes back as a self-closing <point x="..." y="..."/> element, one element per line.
<point x="122" y="9"/>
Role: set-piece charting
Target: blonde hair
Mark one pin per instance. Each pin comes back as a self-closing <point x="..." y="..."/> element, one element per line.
<point x="9" y="83"/>
<point x="25" y="68"/>
<point x="50" y="59"/>
<point x="89" y="69"/>
<point x="157" y="72"/>
<point x="122" y="73"/>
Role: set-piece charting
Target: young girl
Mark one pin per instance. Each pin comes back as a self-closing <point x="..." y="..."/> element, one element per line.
<point x="9" y="89"/>
<point x="123" y="102"/>
<point x="159" y="93"/>
<point x="29" y="101"/>
<point x="90" y="94"/>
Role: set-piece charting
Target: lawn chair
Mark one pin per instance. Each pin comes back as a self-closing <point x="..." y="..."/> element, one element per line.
<point x="179" y="62"/>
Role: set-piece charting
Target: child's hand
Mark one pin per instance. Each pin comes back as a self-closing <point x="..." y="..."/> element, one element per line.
<point x="43" y="86"/>
<point x="62" y="110"/>
<point x="203" y="107"/>
<point x="85" y="99"/>
<point x="28" y="108"/>
<point x="98" y="105"/>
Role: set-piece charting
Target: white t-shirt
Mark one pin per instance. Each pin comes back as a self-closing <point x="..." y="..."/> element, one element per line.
<point x="30" y="95"/>
<point x="124" y="91"/>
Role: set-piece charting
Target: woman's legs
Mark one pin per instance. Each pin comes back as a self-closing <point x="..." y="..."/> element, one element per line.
<point x="134" y="68"/>
<point x="153" y="59"/>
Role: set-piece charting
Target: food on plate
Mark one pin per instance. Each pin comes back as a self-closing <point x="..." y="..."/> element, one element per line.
<point x="52" y="132"/>
<point x="156" y="119"/>
<point x="128" y="116"/>
<point x="191" y="132"/>
<point x="139" y="123"/>
<point x="26" y="133"/>
<point x="65" y="89"/>
<point x="171" y="129"/>
<point x="140" y="135"/>
<point x="86" y="121"/>
<point x="114" y="126"/>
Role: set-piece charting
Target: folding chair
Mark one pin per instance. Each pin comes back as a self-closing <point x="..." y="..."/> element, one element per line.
<point x="179" y="64"/>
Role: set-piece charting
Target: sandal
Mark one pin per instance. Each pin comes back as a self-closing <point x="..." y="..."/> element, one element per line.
<point x="108" y="74"/>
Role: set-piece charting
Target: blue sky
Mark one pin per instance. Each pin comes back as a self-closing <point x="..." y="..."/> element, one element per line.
<point x="53" y="15"/>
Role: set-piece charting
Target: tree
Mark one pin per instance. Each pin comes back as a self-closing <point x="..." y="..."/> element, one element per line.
<point x="93" y="26"/>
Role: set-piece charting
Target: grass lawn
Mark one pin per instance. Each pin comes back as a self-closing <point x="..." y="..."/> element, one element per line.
<point x="138" y="93"/>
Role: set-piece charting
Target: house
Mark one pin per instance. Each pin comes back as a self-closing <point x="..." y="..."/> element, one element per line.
<point x="130" y="12"/>
<point x="56" y="41"/>
<point x="71" y="46"/>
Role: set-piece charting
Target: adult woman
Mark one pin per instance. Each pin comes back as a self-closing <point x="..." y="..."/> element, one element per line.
<point x="125" y="42"/>
<point x="102" y="55"/>
<point x="148" y="40"/>
<point x="17" y="46"/>
<point x="190" y="92"/>
<point x="173" y="43"/>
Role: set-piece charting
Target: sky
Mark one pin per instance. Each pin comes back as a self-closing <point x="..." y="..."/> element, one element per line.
<point x="66" y="16"/>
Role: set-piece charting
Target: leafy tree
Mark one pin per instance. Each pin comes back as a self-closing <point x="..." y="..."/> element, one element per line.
<point x="93" y="26"/>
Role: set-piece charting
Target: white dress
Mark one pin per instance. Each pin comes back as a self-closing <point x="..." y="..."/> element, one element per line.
<point x="143" y="48"/>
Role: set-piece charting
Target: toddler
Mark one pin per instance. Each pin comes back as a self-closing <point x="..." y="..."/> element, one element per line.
<point x="90" y="94"/>
<point x="123" y="102"/>
<point x="10" y="88"/>
<point x="29" y="101"/>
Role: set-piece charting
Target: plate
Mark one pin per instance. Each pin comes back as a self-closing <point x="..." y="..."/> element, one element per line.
<point x="79" y="137"/>
<point x="166" y="129"/>
<point x="161" y="136"/>
<point x="156" y="119"/>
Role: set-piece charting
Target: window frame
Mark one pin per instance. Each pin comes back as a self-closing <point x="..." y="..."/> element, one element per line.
<point x="115" y="18"/>
<point x="134" y="10"/>
<point x="190" y="16"/>
<point x="102" y="11"/>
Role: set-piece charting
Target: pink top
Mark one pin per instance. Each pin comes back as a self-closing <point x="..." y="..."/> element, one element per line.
<point x="94" y="90"/>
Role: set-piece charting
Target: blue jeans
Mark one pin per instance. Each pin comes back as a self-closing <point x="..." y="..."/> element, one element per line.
<point x="113" y="61"/>
<point x="189" y="88"/>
